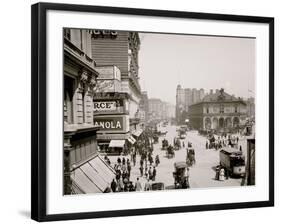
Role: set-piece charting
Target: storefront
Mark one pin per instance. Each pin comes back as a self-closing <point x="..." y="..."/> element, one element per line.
<point x="113" y="135"/>
<point x="112" y="117"/>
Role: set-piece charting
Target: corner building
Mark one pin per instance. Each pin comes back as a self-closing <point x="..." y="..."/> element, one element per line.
<point x="120" y="49"/>
<point x="80" y="142"/>
<point x="218" y="111"/>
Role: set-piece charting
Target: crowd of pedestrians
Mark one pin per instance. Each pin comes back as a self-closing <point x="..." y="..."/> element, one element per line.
<point x="123" y="166"/>
<point x="218" y="142"/>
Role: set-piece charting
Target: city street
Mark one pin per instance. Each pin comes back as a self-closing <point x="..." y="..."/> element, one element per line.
<point x="202" y="174"/>
<point x="109" y="112"/>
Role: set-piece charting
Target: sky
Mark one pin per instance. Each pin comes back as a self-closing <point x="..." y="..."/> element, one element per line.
<point x="207" y="62"/>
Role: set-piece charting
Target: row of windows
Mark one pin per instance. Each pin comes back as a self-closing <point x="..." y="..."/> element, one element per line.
<point x="222" y="109"/>
<point x="69" y="89"/>
<point x="80" y="38"/>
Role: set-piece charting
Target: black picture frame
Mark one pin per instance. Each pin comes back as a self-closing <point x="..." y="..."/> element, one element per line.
<point x="39" y="115"/>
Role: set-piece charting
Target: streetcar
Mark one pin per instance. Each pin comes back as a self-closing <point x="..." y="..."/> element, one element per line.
<point x="233" y="161"/>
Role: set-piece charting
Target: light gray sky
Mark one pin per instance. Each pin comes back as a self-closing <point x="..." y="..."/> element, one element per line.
<point x="167" y="60"/>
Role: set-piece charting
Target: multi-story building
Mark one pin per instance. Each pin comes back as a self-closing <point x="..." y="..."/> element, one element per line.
<point x="170" y="111"/>
<point x="144" y="106"/>
<point x="185" y="98"/>
<point x="80" y="143"/>
<point x="111" y="110"/>
<point x="218" y="111"/>
<point x="121" y="49"/>
<point x="155" y="109"/>
<point x="251" y="107"/>
<point x="160" y="110"/>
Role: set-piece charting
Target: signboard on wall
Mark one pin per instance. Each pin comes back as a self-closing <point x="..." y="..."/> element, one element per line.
<point x="104" y="106"/>
<point x="112" y="123"/>
<point x="109" y="72"/>
<point x="108" y="86"/>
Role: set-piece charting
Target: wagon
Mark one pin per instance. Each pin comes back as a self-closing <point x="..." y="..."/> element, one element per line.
<point x="181" y="175"/>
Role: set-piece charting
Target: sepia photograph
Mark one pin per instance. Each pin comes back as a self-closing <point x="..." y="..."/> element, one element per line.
<point x="149" y="112"/>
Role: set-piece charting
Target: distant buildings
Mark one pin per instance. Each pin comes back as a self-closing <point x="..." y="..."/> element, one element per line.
<point x="218" y="111"/>
<point x="159" y="110"/>
<point x="144" y="106"/>
<point x="251" y="107"/>
<point x="185" y="98"/>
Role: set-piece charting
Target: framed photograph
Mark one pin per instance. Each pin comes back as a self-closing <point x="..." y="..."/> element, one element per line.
<point x="139" y="111"/>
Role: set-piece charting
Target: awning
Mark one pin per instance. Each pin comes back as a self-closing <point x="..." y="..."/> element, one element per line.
<point x="117" y="143"/>
<point x="132" y="140"/>
<point x="83" y="182"/>
<point x="138" y="132"/>
<point x="93" y="176"/>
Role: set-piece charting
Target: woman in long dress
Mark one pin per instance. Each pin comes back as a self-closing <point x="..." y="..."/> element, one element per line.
<point x="222" y="177"/>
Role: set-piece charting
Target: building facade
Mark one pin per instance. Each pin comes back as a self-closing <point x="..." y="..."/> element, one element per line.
<point x="160" y="110"/>
<point x="251" y="107"/>
<point x="218" y="111"/>
<point x="184" y="98"/>
<point x="80" y="143"/>
<point x="144" y="106"/>
<point x="121" y="50"/>
<point x="111" y="109"/>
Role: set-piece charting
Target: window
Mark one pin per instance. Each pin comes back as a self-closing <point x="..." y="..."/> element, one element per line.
<point x="221" y="108"/>
<point x="66" y="33"/>
<point x="235" y="109"/>
<point x="68" y="99"/>
<point x="207" y="109"/>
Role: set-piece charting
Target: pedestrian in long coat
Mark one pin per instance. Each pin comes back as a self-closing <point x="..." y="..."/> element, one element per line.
<point x="150" y="174"/>
<point x="141" y="171"/>
<point x="145" y="172"/>
<point x="154" y="174"/>
<point x="113" y="185"/>
<point x="118" y="174"/>
<point x="138" y="185"/>
<point x="129" y="170"/>
<point x="147" y="186"/>
<point x="217" y="173"/>
<point x="141" y="162"/>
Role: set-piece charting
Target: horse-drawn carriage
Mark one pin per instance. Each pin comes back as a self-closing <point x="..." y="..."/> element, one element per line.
<point x="212" y="141"/>
<point x="155" y="138"/>
<point x="165" y="144"/>
<point x="170" y="152"/>
<point x="181" y="175"/>
<point x="177" y="143"/>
